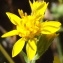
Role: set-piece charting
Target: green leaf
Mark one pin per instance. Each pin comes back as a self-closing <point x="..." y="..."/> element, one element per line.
<point x="43" y="44"/>
<point x="25" y="56"/>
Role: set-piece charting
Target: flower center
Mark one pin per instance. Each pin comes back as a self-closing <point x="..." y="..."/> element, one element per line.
<point x="29" y="27"/>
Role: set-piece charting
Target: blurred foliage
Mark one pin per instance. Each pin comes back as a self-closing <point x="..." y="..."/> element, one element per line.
<point x="2" y="58"/>
<point x="57" y="10"/>
<point x="56" y="59"/>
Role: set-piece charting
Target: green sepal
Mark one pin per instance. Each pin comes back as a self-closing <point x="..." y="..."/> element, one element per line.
<point x="42" y="46"/>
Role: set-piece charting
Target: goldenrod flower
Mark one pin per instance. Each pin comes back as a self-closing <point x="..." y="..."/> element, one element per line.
<point x="38" y="7"/>
<point x="28" y="27"/>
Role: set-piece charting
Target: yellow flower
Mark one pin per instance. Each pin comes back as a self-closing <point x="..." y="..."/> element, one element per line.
<point x="38" y="7"/>
<point x="28" y="27"/>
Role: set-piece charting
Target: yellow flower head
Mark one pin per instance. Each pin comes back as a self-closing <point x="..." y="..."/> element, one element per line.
<point x="38" y="7"/>
<point x="28" y="27"/>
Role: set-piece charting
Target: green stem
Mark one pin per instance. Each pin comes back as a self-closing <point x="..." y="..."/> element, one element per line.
<point x="6" y="54"/>
<point x="25" y="58"/>
<point x="59" y="50"/>
<point x="33" y="61"/>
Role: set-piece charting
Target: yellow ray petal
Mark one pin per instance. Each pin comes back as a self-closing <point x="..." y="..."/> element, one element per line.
<point x="43" y="9"/>
<point x="13" y="18"/>
<point x="18" y="46"/>
<point x="31" y="49"/>
<point x="10" y="33"/>
<point x="31" y="5"/>
<point x="38" y="7"/>
<point x="50" y="27"/>
<point x="51" y="36"/>
<point x="20" y="13"/>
